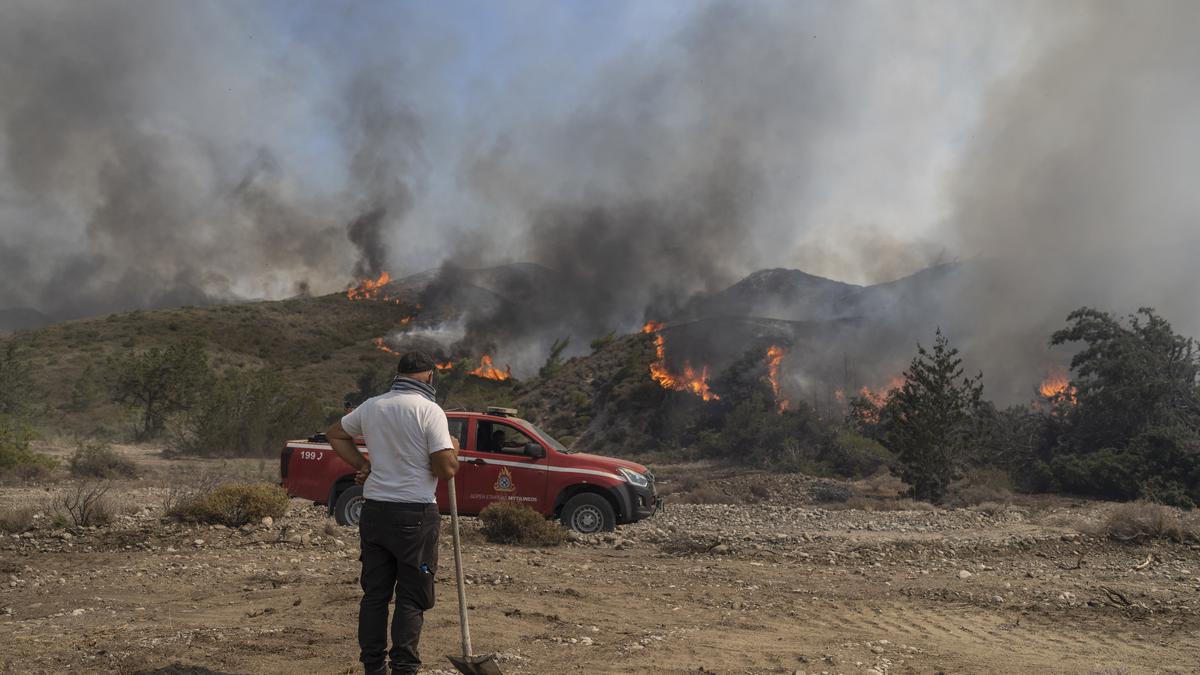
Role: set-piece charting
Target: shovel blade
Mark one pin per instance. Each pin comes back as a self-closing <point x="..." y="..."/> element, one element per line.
<point x="476" y="665"/>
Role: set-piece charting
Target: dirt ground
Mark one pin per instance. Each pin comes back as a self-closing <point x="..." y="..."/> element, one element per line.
<point x="779" y="586"/>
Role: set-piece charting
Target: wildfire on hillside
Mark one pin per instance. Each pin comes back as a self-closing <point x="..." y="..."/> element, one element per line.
<point x="446" y="365"/>
<point x="1057" y="386"/>
<point x="374" y="289"/>
<point x="775" y="356"/>
<point x="488" y="371"/>
<point x="691" y="380"/>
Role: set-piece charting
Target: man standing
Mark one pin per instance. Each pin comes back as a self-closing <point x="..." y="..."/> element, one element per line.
<point x="411" y="448"/>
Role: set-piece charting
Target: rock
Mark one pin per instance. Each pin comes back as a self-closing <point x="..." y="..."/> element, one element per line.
<point x="198" y="542"/>
<point x="963" y="574"/>
<point x="78" y="612"/>
<point x="997" y="599"/>
<point x="720" y="549"/>
<point x="268" y="521"/>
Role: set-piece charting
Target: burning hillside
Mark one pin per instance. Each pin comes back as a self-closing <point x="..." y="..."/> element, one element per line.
<point x="689" y="379"/>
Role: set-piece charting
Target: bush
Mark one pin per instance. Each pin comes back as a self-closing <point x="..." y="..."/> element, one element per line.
<point x="15" y="455"/>
<point x="85" y="505"/>
<point x="232" y="504"/>
<point x="17" y="519"/>
<point x="1142" y="521"/>
<point x="854" y="455"/>
<point x="508" y="523"/>
<point x="97" y="459"/>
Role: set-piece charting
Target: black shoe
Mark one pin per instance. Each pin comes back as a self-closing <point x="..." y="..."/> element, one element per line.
<point x="381" y="669"/>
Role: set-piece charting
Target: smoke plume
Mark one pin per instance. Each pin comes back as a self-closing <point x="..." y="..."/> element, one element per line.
<point x="1079" y="188"/>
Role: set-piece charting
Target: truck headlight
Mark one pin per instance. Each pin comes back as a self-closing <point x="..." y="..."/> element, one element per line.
<point x="634" y="478"/>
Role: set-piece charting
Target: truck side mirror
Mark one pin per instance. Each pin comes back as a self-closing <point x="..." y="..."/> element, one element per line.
<point x="535" y="450"/>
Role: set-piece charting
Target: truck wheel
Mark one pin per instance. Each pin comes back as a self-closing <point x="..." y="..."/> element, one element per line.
<point x="349" y="505"/>
<point x="588" y="513"/>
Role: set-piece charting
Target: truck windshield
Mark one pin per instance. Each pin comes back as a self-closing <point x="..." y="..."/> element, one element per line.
<point x="549" y="439"/>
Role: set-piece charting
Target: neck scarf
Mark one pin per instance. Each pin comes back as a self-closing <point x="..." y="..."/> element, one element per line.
<point x="411" y="386"/>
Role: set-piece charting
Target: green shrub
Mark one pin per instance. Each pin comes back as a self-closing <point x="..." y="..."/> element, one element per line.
<point x="854" y="455"/>
<point x="510" y="523"/>
<point x="16" y="457"/>
<point x="232" y="504"/>
<point x="97" y="459"/>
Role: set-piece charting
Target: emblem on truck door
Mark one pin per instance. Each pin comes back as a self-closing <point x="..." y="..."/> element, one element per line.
<point x="504" y="482"/>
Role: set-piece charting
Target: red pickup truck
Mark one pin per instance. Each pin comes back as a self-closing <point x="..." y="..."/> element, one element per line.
<point x="502" y="458"/>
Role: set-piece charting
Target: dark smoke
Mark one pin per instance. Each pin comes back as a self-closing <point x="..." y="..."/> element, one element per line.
<point x="145" y="160"/>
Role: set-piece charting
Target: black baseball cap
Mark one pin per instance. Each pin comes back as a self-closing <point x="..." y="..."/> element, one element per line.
<point x="414" y="362"/>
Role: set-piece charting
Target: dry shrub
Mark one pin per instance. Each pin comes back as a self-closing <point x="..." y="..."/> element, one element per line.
<point x="232" y="504"/>
<point x="883" y="484"/>
<point x="17" y="519"/>
<point x="510" y="523"/>
<point x="97" y="459"/>
<point x="1142" y="521"/>
<point x="85" y="504"/>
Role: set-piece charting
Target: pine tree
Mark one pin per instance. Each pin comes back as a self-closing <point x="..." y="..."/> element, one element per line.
<point x="927" y="422"/>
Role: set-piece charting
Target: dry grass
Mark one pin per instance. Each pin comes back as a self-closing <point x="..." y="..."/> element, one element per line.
<point x="506" y="523"/>
<point x="17" y="519"/>
<point x="1144" y="521"/>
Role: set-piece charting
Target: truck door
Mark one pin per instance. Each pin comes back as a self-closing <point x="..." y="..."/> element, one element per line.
<point x="497" y="468"/>
<point x="458" y="429"/>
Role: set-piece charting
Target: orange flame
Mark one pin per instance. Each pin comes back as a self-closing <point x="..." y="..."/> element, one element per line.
<point x="370" y="289"/>
<point x="775" y="356"/>
<point x="1057" y="385"/>
<point x="690" y="379"/>
<point x="379" y="344"/>
<point x="445" y="366"/>
<point x="878" y="397"/>
<point x="489" y="372"/>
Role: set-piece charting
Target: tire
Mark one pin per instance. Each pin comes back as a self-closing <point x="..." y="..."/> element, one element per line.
<point x="588" y="513"/>
<point x="348" y="508"/>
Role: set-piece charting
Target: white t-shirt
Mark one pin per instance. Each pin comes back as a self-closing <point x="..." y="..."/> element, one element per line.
<point x="401" y="429"/>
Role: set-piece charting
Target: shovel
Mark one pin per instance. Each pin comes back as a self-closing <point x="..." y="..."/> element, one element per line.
<point x="466" y="664"/>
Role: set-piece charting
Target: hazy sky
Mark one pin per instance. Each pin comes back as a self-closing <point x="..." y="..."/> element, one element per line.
<point x="155" y="153"/>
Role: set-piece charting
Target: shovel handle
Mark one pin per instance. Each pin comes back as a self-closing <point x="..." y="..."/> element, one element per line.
<point x="458" y="571"/>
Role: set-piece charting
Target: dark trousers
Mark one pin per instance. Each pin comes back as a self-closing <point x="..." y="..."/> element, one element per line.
<point x="399" y="555"/>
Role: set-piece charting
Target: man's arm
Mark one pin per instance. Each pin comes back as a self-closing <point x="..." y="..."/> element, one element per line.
<point x="444" y="463"/>
<point x="343" y="444"/>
